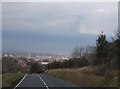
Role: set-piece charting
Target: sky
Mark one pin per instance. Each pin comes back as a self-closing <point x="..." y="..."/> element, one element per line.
<point x="55" y="27"/>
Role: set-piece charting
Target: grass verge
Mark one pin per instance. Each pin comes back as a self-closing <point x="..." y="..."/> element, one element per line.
<point x="84" y="77"/>
<point x="0" y="80"/>
<point x="10" y="79"/>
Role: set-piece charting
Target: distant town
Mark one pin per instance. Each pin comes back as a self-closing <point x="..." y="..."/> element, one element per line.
<point x="24" y="63"/>
<point x="43" y="58"/>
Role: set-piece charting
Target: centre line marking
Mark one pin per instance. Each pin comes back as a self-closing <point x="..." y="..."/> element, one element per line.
<point x="42" y="81"/>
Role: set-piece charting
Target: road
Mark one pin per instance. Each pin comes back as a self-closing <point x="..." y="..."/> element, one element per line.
<point x="42" y="81"/>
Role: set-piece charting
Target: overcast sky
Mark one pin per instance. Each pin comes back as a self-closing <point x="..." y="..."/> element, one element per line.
<point x="55" y="27"/>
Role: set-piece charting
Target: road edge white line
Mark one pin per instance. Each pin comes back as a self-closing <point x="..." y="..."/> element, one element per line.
<point x="20" y="81"/>
<point x="42" y="81"/>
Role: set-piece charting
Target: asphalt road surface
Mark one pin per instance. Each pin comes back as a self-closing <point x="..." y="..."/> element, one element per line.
<point x="42" y="81"/>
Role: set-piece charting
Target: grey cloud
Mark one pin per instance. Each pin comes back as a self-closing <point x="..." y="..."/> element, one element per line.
<point x="40" y="16"/>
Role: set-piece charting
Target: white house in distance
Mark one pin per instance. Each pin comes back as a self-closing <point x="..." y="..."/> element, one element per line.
<point x="44" y="63"/>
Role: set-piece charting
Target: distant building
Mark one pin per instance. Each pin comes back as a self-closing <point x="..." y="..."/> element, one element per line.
<point x="44" y="63"/>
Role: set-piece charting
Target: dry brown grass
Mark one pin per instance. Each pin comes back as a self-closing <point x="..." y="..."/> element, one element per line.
<point x="85" y="77"/>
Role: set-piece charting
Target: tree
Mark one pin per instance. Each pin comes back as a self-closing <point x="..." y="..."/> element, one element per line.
<point x="118" y="47"/>
<point x="102" y="45"/>
<point x="114" y="51"/>
<point x="90" y="54"/>
<point x="54" y="65"/>
<point x="118" y="42"/>
<point x="78" y="52"/>
<point x="36" y="68"/>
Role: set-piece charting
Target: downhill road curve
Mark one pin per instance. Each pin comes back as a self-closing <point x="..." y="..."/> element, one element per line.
<point x="42" y="81"/>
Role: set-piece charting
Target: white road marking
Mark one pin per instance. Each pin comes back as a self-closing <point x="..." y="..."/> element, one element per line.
<point x="20" y="81"/>
<point x="42" y="81"/>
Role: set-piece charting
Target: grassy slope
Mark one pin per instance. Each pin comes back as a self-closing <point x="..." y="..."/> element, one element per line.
<point x="9" y="79"/>
<point x="0" y="80"/>
<point x="84" y="77"/>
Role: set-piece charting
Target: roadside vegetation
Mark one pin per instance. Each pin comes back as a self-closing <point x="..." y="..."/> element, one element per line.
<point x="86" y="77"/>
<point x="92" y="66"/>
<point x="0" y="80"/>
<point x="13" y="69"/>
<point x="11" y="79"/>
<point x="15" y="64"/>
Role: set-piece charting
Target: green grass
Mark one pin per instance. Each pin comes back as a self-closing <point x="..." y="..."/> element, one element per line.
<point x="10" y="79"/>
<point x="84" y="77"/>
<point x="0" y="80"/>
